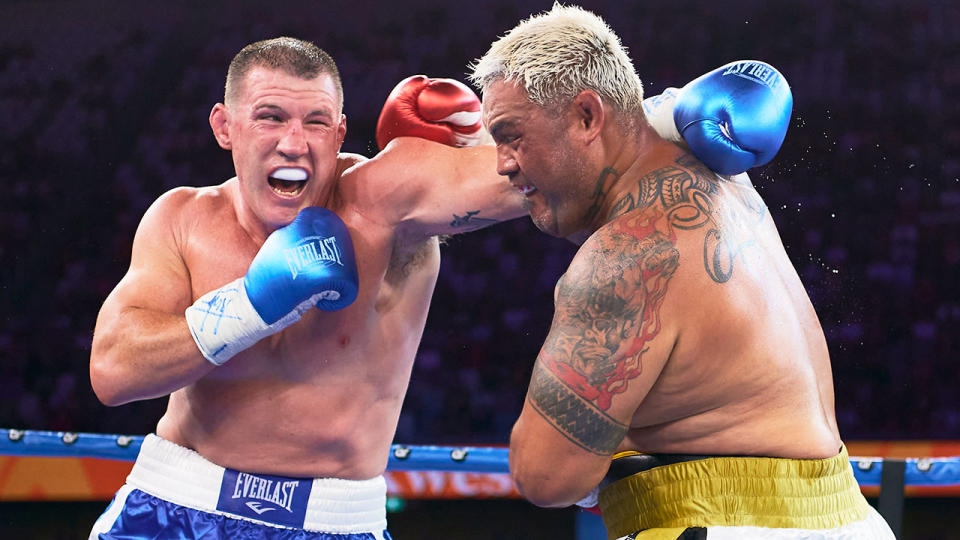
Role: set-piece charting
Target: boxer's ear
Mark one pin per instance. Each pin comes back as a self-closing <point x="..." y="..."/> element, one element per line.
<point x="587" y="109"/>
<point x="341" y="130"/>
<point x="220" y="124"/>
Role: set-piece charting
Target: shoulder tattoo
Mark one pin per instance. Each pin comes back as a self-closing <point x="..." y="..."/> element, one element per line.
<point x="607" y="313"/>
<point x="688" y="192"/>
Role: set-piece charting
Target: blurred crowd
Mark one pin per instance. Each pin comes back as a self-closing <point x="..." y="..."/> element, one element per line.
<point x="105" y="107"/>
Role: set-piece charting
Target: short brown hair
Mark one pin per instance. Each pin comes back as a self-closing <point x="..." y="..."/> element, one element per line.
<point x="292" y="56"/>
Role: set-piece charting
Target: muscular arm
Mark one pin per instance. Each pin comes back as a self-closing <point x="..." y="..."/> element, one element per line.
<point x="430" y="188"/>
<point x="602" y="355"/>
<point x="142" y="347"/>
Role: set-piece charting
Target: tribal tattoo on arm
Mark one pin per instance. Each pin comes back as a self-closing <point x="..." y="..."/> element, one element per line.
<point x="608" y="311"/>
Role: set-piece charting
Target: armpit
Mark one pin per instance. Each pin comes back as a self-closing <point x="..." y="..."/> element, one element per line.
<point x="408" y="256"/>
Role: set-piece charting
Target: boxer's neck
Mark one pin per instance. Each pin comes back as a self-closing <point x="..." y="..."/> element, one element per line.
<point x="627" y="159"/>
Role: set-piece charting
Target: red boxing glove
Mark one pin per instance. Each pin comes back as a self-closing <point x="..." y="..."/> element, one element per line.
<point x="441" y="110"/>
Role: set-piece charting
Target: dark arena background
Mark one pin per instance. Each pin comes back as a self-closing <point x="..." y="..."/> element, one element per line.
<point x="104" y="107"/>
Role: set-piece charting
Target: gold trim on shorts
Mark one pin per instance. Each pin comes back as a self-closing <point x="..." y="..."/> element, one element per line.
<point x="736" y="492"/>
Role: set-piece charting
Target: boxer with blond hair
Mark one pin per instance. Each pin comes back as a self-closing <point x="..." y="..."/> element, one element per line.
<point x="685" y="377"/>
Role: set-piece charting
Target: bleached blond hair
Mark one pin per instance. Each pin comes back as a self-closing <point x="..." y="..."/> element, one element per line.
<point x="559" y="53"/>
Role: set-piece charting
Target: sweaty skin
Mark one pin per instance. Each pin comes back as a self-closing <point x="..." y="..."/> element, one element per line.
<point x="680" y="326"/>
<point x="321" y="398"/>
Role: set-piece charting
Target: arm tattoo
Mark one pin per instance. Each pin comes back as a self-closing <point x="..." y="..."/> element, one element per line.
<point x="608" y="312"/>
<point x="469" y="222"/>
<point x="572" y="415"/>
<point x="606" y="317"/>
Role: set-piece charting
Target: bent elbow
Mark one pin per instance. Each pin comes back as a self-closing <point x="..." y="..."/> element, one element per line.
<point x="555" y="484"/>
<point x="543" y="493"/>
<point x="104" y="391"/>
<point x="108" y="399"/>
<point x="544" y="487"/>
<point x="103" y="380"/>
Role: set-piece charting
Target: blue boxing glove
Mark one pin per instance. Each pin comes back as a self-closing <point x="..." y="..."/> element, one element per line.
<point x="308" y="263"/>
<point x="732" y="118"/>
<point x="312" y="256"/>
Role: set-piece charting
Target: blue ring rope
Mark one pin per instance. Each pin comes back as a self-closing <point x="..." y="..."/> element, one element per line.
<point x="937" y="472"/>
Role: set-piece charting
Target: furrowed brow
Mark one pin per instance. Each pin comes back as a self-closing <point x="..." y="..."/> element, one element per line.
<point x="497" y="128"/>
<point x="267" y="107"/>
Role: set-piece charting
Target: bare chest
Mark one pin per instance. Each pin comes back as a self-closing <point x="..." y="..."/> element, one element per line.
<point x="384" y="322"/>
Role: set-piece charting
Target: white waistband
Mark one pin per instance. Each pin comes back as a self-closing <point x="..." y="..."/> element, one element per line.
<point x="182" y="476"/>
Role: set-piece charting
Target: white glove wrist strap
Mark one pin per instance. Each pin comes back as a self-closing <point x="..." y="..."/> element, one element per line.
<point x="659" y="111"/>
<point x="223" y="322"/>
<point x="591" y="500"/>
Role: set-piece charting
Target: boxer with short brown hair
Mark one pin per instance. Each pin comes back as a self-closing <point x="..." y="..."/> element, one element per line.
<point x="217" y="308"/>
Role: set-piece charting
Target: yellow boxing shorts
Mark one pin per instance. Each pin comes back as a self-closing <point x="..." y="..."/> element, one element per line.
<point x="675" y="497"/>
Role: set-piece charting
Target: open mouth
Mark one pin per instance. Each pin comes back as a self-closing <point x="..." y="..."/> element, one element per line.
<point x="288" y="181"/>
<point x="525" y="189"/>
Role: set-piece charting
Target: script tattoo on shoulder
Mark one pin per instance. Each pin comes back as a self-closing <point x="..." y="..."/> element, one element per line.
<point x="605" y="318"/>
<point x="470" y="222"/>
<point x="688" y="192"/>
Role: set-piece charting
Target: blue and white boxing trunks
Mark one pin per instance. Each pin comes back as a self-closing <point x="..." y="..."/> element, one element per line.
<point x="173" y="492"/>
